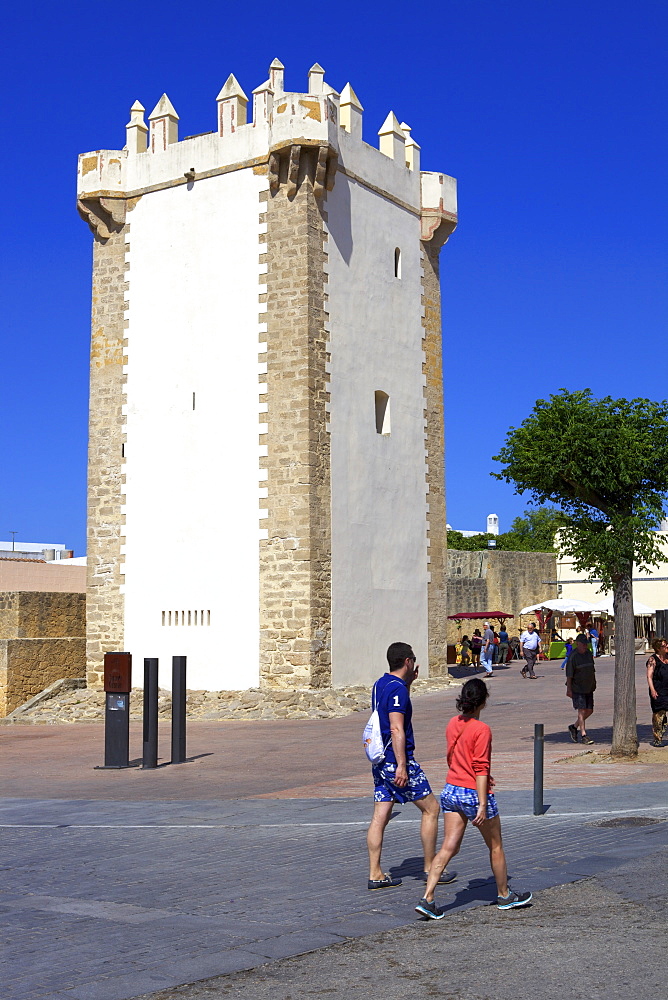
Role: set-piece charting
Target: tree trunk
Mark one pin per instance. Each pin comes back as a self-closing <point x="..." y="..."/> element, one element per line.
<point x="624" y="731"/>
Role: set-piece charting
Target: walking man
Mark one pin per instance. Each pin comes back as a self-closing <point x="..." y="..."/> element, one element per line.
<point x="398" y="777"/>
<point x="580" y="686"/>
<point x="530" y="648"/>
<point x="593" y="635"/>
<point x="487" y="649"/>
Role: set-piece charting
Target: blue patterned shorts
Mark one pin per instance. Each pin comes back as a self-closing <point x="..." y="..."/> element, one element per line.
<point x="454" y="798"/>
<point x="386" y="791"/>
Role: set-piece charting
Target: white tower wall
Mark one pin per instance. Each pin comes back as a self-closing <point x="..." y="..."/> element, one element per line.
<point x="191" y="491"/>
<point x="379" y="531"/>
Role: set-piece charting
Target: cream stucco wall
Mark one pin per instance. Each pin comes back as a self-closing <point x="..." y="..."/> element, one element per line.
<point x="379" y="539"/>
<point x="648" y="587"/>
<point x="191" y="492"/>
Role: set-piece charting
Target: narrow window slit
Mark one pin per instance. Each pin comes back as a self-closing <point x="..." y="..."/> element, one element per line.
<point x="382" y="403"/>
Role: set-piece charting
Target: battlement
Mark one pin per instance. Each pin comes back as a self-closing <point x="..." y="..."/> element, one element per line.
<point x="321" y="128"/>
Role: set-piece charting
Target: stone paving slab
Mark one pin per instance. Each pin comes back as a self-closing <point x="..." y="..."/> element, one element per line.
<point x="137" y="899"/>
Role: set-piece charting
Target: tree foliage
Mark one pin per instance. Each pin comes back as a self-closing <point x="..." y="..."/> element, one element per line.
<point x="605" y="462"/>
<point x="534" y="532"/>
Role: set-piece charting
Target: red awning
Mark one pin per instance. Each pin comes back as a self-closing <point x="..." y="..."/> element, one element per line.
<point x="479" y="615"/>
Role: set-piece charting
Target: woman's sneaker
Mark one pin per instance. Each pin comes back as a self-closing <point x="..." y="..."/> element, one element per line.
<point x="430" y="910"/>
<point x="513" y="900"/>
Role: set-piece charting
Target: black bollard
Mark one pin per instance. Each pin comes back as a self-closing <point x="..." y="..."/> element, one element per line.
<point x="538" y="759"/>
<point x="178" y="709"/>
<point x="150" y="755"/>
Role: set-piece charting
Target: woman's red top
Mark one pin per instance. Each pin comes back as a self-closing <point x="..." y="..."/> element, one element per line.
<point x="469" y="743"/>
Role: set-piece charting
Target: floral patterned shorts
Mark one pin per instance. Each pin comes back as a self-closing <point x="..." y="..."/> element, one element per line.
<point x="386" y="791"/>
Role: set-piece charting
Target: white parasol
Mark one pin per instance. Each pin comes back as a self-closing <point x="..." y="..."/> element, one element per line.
<point x="606" y="605"/>
<point x="562" y="606"/>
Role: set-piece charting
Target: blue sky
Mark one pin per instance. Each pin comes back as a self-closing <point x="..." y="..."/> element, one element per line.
<point x="551" y="116"/>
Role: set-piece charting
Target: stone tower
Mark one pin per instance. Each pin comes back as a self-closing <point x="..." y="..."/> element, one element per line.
<point x="266" y="423"/>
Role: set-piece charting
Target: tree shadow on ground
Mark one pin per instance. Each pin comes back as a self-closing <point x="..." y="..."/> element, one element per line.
<point x="599" y="734"/>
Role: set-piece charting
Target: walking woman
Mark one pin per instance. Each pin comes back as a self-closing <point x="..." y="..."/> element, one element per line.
<point x="657" y="679"/>
<point x="476" y="646"/>
<point x="467" y="796"/>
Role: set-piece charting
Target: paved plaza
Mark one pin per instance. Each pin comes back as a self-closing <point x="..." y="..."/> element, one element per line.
<point x="119" y="884"/>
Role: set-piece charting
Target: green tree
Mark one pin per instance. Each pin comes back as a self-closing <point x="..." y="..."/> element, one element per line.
<point x="605" y="463"/>
<point x="471" y="543"/>
<point x="534" y="532"/>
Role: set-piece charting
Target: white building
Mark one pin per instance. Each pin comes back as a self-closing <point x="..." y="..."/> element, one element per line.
<point x="650" y="587"/>
<point x="266" y="372"/>
<point x="491" y="529"/>
<point x="50" y="551"/>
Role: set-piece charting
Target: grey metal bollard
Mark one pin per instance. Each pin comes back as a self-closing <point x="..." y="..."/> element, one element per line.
<point x="538" y="762"/>
<point x="178" y="709"/>
<point x="150" y="754"/>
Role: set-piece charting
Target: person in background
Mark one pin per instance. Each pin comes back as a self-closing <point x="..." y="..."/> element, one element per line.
<point x="530" y="642"/>
<point x="580" y="686"/>
<point x="569" y="649"/>
<point x="593" y="635"/>
<point x="486" y="656"/>
<point x="476" y="646"/>
<point x="657" y="679"/>
<point x="466" y="651"/>
<point x="503" y="644"/>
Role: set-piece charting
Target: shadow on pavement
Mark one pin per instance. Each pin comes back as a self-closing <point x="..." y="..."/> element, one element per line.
<point x="476" y="891"/>
<point x="409" y="868"/>
<point x="600" y="735"/>
<point x="463" y="673"/>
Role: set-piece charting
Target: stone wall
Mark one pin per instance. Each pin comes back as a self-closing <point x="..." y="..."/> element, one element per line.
<point x="42" y="639"/>
<point x="295" y="558"/>
<point x="492" y="580"/>
<point x="27" y="666"/>
<point x="31" y="615"/>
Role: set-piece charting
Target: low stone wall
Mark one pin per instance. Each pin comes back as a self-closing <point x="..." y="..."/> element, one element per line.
<point x="27" y="666"/>
<point x="42" y="615"/>
<point x="493" y="580"/>
<point x="66" y="703"/>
